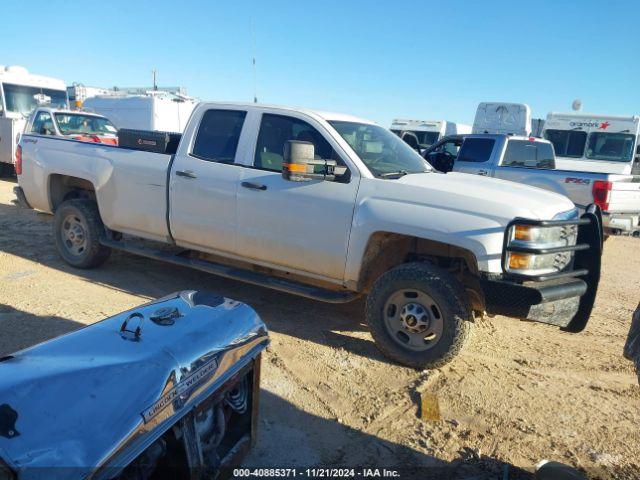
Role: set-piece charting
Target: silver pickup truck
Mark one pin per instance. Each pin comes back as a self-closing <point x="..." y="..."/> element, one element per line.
<point x="328" y="206"/>
<point x="532" y="161"/>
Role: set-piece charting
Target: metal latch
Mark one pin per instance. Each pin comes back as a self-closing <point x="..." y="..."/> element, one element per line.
<point x="124" y="328"/>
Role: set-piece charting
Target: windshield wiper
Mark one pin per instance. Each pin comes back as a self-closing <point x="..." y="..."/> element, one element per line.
<point x="399" y="173"/>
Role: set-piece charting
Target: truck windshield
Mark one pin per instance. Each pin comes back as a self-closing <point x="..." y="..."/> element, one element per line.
<point x="381" y="151"/>
<point x="567" y="143"/>
<point x="71" y="123"/>
<point x="613" y="147"/>
<point x="23" y="99"/>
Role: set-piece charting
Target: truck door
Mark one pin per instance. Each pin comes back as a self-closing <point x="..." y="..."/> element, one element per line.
<point x="298" y="226"/>
<point x="203" y="184"/>
<point x="475" y="156"/>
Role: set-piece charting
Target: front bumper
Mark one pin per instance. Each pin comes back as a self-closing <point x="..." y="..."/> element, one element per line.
<point x="563" y="299"/>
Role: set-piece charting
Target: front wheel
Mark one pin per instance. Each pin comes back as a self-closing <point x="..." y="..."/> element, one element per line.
<point x="419" y="315"/>
<point x="77" y="228"/>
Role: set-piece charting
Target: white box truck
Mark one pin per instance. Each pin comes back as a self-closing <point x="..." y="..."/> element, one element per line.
<point x="421" y="134"/>
<point x="20" y="93"/>
<point x="155" y="110"/>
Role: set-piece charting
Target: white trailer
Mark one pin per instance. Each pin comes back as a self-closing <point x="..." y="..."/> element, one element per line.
<point x="422" y="134"/>
<point x="20" y="93"/>
<point x="78" y="93"/>
<point x="155" y="110"/>
<point x="595" y="143"/>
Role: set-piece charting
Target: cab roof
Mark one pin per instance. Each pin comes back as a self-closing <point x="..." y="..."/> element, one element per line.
<point x="318" y="114"/>
<point x="52" y="110"/>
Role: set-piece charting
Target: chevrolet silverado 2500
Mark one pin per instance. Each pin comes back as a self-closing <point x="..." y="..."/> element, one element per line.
<point x="326" y="206"/>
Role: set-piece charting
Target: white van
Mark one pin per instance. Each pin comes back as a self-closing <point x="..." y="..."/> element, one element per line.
<point x="156" y="110"/>
<point x="595" y="143"/>
<point x="422" y="134"/>
<point x="20" y="93"/>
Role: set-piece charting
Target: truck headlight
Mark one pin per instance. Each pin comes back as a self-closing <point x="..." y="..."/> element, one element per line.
<point x="533" y="246"/>
<point x="538" y="264"/>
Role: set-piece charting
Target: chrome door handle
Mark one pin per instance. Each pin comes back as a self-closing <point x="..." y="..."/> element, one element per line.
<point x="186" y="174"/>
<point x="483" y="172"/>
<point x="254" y="186"/>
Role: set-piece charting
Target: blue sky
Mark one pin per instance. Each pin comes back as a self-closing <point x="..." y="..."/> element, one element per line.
<point x="375" y="59"/>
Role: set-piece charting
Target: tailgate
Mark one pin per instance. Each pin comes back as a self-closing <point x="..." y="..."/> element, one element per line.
<point x="625" y="196"/>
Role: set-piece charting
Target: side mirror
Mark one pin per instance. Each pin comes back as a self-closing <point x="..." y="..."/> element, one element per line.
<point x="440" y="161"/>
<point x="300" y="164"/>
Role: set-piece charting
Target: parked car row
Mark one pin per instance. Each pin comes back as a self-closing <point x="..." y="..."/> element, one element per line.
<point x="37" y="104"/>
<point x="588" y="159"/>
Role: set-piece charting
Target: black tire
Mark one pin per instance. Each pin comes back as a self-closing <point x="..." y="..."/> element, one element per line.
<point x="84" y="212"/>
<point x="453" y="313"/>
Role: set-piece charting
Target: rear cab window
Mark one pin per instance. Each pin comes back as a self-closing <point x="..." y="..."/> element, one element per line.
<point x="43" y="124"/>
<point x="529" y="154"/>
<point x="277" y="130"/>
<point x="476" y="150"/>
<point x="218" y="135"/>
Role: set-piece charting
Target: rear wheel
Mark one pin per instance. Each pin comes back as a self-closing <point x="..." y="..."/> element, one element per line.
<point x="419" y="315"/>
<point x="77" y="228"/>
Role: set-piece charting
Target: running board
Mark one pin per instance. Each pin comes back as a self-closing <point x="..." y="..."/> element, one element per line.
<point x="235" y="273"/>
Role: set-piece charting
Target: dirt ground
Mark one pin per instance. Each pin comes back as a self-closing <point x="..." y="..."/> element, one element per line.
<point x="519" y="393"/>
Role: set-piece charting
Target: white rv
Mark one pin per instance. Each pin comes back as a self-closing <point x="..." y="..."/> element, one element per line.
<point x="594" y="143"/>
<point x="422" y="134"/>
<point x="155" y="110"/>
<point x="20" y="93"/>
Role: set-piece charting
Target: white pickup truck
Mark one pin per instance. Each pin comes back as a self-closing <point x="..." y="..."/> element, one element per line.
<point x="330" y="207"/>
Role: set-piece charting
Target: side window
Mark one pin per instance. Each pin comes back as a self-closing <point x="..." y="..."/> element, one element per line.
<point x="527" y="154"/>
<point x="451" y="148"/>
<point x="218" y="135"/>
<point x="476" y="150"/>
<point x="43" y="124"/>
<point x="276" y="130"/>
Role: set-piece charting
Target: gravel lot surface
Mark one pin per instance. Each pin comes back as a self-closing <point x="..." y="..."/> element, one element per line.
<point x="519" y="393"/>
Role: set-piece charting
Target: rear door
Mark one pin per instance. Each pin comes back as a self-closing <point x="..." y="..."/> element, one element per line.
<point x="475" y="156"/>
<point x="297" y="226"/>
<point x="204" y="181"/>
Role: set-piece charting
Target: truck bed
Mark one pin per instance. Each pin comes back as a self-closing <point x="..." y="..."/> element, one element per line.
<point x="121" y="177"/>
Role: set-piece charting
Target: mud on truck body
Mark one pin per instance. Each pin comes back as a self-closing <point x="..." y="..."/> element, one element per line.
<point x="166" y="390"/>
<point x="330" y="207"/>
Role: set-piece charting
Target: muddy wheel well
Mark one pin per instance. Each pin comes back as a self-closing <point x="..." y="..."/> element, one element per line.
<point x="387" y="250"/>
<point x="64" y="187"/>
